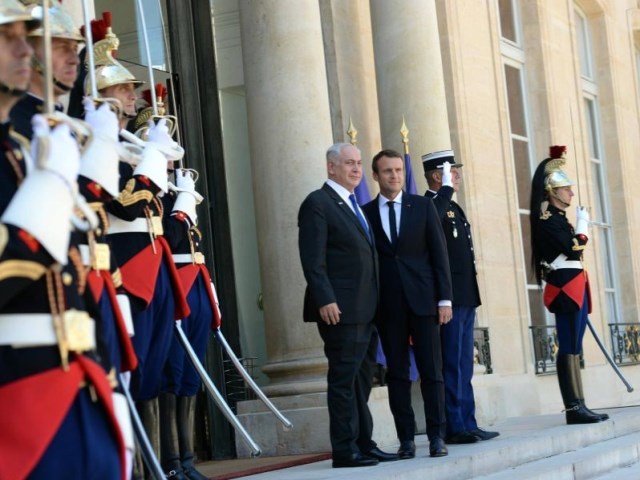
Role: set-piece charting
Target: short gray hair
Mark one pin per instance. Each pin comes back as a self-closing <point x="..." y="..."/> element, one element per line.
<point x="335" y="151"/>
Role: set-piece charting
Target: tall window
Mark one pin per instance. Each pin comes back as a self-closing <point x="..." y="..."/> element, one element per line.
<point x="600" y="212"/>
<point x="521" y="149"/>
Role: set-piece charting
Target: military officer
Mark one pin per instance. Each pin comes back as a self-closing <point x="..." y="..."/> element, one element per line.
<point x="444" y="176"/>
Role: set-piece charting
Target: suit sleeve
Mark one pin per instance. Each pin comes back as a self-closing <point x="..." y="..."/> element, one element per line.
<point x="438" y="253"/>
<point x="442" y="200"/>
<point x="136" y="192"/>
<point x="312" y="243"/>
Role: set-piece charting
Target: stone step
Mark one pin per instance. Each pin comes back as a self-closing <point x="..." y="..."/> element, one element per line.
<point x="523" y="441"/>
<point x="628" y="472"/>
<point x="586" y="463"/>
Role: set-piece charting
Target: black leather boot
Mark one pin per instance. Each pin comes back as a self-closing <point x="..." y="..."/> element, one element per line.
<point x="568" y="379"/>
<point x="169" y="447"/>
<point x="576" y="366"/>
<point x="186" y="418"/>
<point x="148" y="411"/>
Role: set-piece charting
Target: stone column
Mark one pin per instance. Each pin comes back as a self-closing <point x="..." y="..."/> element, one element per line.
<point x="290" y="129"/>
<point x="410" y="77"/>
<point x="289" y="132"/>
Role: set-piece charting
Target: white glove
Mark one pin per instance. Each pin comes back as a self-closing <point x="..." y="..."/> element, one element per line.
<point x="103" y="121"/>
<point x="582" y="221"/>
<point x="184" y="181"/>
<point x="153" y="165"/>
<point x="446" y="175"/>
<point x="159" y="133"/>
<point x="159" y="136"/>
<point x="56" y="150"/>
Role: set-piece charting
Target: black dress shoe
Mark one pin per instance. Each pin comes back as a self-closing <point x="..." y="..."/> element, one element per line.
<point x="484" y="434"/>
<point x="437" y="448"/>
<point x="381" y="456"/>
<point x="354" y="460"/>
<point x="462" y="437"/>
<point x="407" y="449"/>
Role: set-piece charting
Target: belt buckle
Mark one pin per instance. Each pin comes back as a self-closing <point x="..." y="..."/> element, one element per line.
<point x="198" y="258"/>
<point x="101" y="257"/>
<point x="79" y="330"/>
<point x="156" y="226"/>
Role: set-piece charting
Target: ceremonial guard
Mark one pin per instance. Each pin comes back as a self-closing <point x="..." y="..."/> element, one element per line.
<point x="136" y="234"/>
<point x="181" y="381"/>
<point x="58" y="413"/>
<point x="557" y="248"/>
<point x="98" y="180"/>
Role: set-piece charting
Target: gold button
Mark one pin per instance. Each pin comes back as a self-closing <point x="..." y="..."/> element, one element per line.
<point x="67" y="278"/>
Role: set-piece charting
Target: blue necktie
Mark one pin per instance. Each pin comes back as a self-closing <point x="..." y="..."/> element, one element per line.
<point x="393" y="227"/>
<point x="361" y="219"/>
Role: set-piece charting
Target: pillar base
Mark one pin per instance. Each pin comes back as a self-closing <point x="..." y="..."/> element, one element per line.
<point x="310" y="418"/>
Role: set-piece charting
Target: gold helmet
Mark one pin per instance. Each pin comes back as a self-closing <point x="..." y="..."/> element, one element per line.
<point x="13" y="11"/>
<point x="555" y="177"/>
<point x="109" y="71"/>
<point x="62" y="25"/>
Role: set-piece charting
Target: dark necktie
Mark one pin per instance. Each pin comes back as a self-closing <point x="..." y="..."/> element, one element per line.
<point x="393" y="226"/>
<point x="361" y="219"/>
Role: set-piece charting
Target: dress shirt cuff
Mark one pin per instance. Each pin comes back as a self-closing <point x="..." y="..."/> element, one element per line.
<point x="445" y="303"/>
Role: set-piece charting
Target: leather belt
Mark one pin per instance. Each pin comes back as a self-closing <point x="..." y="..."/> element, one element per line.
<point x="21" y="330"/>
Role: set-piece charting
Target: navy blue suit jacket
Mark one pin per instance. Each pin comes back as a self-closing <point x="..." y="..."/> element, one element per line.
<point x="418" y="267"/>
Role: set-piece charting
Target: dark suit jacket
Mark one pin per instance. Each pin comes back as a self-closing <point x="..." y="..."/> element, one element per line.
<point x="419" y="265"/>
<point x="462" y="259"/>
<point x="339" y="262"/>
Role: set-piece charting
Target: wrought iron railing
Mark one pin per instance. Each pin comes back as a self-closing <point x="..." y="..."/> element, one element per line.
<point x="482" y="348"/>
<point x="625" y="342"/>
<point x="545" y="348"/>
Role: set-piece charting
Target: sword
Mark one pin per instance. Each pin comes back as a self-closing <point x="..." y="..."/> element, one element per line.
<point x="608" y="357"/>
<point x="145" y="445"/>
<point x="214" y="392"/>
<point x="287" y="425"/>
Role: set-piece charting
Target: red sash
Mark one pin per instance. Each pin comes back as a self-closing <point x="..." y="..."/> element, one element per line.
<point x="140" y="273"/>
<point x="188" y="275"/>
<point x="574" y="289"/>
<point x="32" y="410"/>
<point x="98" y="281"/>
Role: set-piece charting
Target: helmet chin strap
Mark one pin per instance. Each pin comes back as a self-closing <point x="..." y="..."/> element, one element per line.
<point x="13" y="91"/>
<point x="38" y="67"/>
<point x="562" y="202"/>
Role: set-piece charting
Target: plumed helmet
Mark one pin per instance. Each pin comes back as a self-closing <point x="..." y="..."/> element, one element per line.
<point x="555" y="177"/>
<point x="12" y="11"/>
<point x="60" y="20"/>
<point x="109" y="71"/>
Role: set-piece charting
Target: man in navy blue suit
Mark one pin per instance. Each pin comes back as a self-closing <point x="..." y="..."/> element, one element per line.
<point x="415" y="299"/>
<point x="444" y="176"/>
<point x="340" y="265"/>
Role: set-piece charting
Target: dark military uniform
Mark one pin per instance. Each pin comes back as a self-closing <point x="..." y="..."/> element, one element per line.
<point x="149" y="276"/>
<point x="57" y="417"/>
<point x="457" y="335"/>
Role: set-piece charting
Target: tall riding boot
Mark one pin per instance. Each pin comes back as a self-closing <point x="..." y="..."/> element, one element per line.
<point x="169" y="447"/>
<point x="148" y="411"/>
<point x="576" y="367"/>
<point x="186" y="418"/>
<point x="568" y="380"/>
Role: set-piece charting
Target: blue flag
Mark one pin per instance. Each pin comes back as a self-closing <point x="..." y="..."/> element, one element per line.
<point x="410" y="183"/>
<point x="362" y="191"/>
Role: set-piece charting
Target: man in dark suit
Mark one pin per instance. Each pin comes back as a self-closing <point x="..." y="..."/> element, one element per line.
<point x="415" y="299"/>
<point x="341" y="268"/>
<point x="444" y="176"/>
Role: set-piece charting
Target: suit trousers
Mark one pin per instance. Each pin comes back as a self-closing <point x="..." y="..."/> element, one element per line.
<point x="571" y="328"/>
<point x="350" y="350"/>
<point x="395" y="330"/>
<point x="457" y="356"/>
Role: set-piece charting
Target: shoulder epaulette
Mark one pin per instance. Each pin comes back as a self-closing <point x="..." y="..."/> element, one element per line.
<point x="545" y="215"/>
<point x="21" y="139"/>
